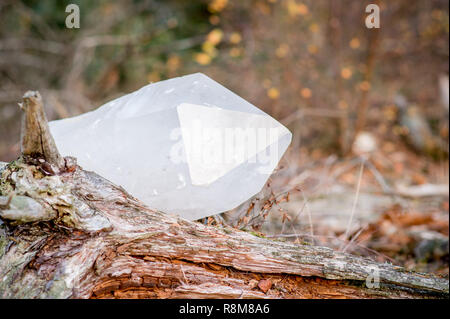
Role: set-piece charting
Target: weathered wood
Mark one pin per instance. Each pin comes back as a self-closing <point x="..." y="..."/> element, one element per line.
<point x="36" y="139"/>
<point x="76" y="235"/>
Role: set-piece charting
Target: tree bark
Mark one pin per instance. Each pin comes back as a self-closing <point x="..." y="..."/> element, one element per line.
<point x="73" y="234"/>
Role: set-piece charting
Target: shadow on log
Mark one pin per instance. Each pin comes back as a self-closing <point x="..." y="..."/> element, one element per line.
<point x="69" y="233"/>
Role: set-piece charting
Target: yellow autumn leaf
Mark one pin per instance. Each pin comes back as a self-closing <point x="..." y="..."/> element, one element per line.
<point x="314" y="28"/>
<point x="313" y="49"/>
<point x="214" y="19"/>
<point x="354" y="43"/>
<point x="217" y="5"/>
<point x="153" y="77"/>
<point x="390" y="113"/>
<point x="215" y="36"/>
<point x="282" y="50"/>
<point x="235" y="38"/>
<point x="346" y="73"/>
<point x="202" y="58"/>
<point x="267" y="83"/>
<point x="364" y="86"/>
<point x="209" y="48"/>
<point x="295" y="9"/>
<point x="173" y="62"/>
<point x="264" y="8"/>
<point x="273" y="93"/>
<point x="235" y="52"/>
<point x="343" y="105"/>
<point x="306" y="93"/>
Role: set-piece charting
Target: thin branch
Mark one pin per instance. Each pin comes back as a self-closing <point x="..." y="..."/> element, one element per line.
<point x="358" y="188"/>
<point x="32" y="43"/>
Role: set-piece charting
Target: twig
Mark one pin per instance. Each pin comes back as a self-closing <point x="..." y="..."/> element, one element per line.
<point x="334" y="238"/>
<point x="380" y="179"/>
<point x="32" y="43"/>
<point x="308" y="211"/>
<point x="354" y="238"/>
<point x="358" y="187"/>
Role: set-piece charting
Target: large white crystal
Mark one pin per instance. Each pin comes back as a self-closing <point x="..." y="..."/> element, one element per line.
<point x="186" y="145"/>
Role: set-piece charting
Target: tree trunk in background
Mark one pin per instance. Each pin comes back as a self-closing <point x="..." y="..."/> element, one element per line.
<point x="365" y="86"/>
<point x="73" y="234"/>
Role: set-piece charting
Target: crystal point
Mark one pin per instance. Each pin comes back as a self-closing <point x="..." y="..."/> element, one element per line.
<point x="186" y="145"/>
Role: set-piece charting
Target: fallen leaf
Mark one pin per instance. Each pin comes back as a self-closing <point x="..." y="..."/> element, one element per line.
<point x="265" y="285"/>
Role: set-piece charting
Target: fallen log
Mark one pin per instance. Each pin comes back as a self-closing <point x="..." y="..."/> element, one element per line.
<point x="69" y="233"/>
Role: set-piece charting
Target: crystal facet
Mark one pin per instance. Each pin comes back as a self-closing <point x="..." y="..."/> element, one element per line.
<point x="186" y="145"/>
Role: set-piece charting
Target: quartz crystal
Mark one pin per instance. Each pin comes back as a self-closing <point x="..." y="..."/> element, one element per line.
<point x="186" y="145"/>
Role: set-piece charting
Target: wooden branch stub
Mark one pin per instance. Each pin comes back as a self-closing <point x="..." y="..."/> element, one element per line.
<point x="36" y="140"/>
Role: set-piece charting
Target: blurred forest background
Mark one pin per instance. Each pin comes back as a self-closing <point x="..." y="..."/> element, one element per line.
<point x="367" y="171"/>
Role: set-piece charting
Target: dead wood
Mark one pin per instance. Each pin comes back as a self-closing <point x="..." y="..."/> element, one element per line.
<point x="36" y="140"/>
<point x="72" y="234"/>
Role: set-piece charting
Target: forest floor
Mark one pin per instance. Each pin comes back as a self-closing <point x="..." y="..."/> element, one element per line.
<point x="392" y="206"/>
